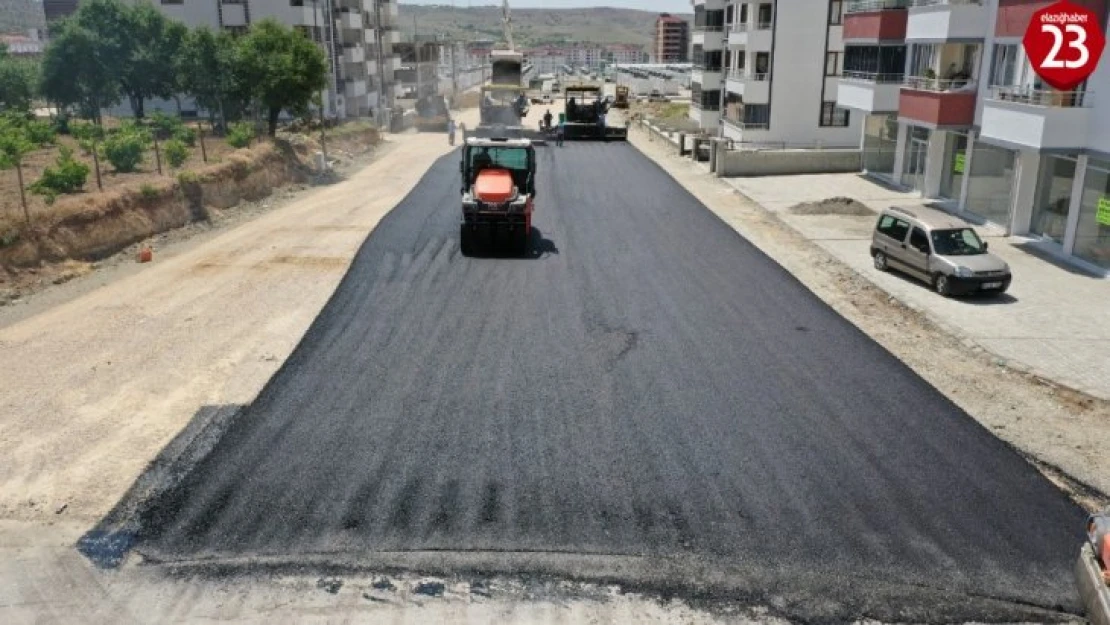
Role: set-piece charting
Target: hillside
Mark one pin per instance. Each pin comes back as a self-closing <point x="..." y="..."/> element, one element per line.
<point x="19" y="15"/>
<point x="532" y="26"/>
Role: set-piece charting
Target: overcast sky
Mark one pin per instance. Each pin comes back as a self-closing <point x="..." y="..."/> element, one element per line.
<point x="674" y="6"/>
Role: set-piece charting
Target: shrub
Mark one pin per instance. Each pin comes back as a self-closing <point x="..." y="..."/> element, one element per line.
<point x="176" y="152"/>
<point x="148" y="192"/>
<point x="124" y="150"/>
<point x="164" y="126"/>
<point x="39" y="133"/>
<point x="186" y="135"/>
<point x="68" y="176"/>
<point x="87" y="135"/>
<point x="240" y="135"/>
<point x="188" y="177"/>
<point x="60" y="124"/>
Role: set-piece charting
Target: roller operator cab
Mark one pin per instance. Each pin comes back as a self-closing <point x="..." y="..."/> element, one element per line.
<point x="498" y="191"/>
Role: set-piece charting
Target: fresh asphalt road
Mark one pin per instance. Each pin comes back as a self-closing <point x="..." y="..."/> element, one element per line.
<point x="645" y="384"/>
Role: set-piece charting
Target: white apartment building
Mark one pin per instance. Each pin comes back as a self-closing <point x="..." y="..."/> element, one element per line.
<point x="954" y="110"/>
<point x="357" y="35"/>
<point x="766" y="72"/>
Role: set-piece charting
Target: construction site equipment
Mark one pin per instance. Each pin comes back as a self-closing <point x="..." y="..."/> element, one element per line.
<point x="432" y="114"/>
<point x="1092" y="570"/>
<point x="620" y="101"/>
<point x="586" y="116"/>
<point x="498" y="191"/>
<point x="504" y="99"/>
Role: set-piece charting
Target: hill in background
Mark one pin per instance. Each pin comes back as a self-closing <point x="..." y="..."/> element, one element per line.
<point x="17" y="16"/>
<point x="532" y="27"/>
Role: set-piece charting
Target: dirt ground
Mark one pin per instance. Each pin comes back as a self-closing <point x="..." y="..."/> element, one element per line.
<point x="12" y="213"/>
<point x="1050" y="425"/>
<point x="833" y="206"/>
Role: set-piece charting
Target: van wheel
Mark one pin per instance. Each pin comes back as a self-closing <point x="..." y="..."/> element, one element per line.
<point x="941" y="285"/>
<point x="880" y="261"/>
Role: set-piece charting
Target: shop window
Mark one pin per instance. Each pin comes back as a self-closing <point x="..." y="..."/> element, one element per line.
<point x="1053" y="198"/>
<point x="1092" y="235"/>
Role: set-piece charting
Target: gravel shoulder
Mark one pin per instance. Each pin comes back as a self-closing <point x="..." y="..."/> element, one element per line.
<point x="1059" y="430"/>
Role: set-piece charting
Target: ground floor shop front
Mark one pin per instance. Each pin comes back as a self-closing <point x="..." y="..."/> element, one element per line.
<point x="1059" y="198"/>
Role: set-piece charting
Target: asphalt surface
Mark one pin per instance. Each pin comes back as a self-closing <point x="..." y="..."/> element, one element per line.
<point x="647" y="384"/>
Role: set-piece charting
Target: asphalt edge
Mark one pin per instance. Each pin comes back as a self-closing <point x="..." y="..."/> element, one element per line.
<point x="1088" y="496"/>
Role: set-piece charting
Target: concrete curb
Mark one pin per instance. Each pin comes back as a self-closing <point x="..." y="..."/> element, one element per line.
<point x="1092" y="590"/>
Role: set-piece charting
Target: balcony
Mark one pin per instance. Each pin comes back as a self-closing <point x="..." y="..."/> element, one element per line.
<point x="936" y="103"/>
<point x="354" y="54"/>
<point x="709" y="37"/>
<point x="349" y="19"/>
<point x="354" y="88"/>
<point x="944" y="20"/>
<point x="751" y="35"/>
<point x="1037" y="119"/>
<point x="744" y="131"/>
<point x="870" y="92"/>
<point x="875" y="20"/>
<point x="755" y="88"/>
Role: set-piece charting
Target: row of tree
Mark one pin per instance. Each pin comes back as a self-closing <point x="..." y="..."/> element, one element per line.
<point x="109" y="51"/>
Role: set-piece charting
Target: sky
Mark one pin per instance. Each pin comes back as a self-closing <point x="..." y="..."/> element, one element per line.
<point x="673" y="6"/>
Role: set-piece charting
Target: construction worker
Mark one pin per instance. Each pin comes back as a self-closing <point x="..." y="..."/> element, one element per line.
<point x="451" y="131"/>
<point x="559" y="132"/>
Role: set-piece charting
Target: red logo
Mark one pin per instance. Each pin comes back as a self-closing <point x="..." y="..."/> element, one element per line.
<point x="1064" y="43"/>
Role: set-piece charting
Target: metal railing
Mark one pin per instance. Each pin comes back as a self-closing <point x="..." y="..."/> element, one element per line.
<point x="866" y="6"/>
<point x="739" y="74"/>
<point x="1040" y="97"/>
<point x="924" y="83"/>
<point x="876" y="77"/>
<point x="705" y="106"/>
<point x="739" y="125"/>
<point x="708" y="28"/>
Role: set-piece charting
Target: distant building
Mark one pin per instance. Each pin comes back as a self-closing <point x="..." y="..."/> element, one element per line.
<point x="24" y="46"/>
<point x="625" y="54"/>
<point x="672" y="39"/>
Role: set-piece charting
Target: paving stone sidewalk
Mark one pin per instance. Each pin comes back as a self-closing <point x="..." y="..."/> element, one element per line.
<point x="1054" y="321"/>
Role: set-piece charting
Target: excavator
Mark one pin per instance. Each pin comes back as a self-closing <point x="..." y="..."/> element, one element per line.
<point x="504" y="101"/>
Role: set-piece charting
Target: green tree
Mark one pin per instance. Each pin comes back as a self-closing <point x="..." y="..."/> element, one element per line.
<point x="18" y="83"/>
<point x="207" y="70"/>
<point x="283" y="68"/>
<point x="76" y="71"/>
<point x="153" y="43"/>
<point x="14" y="146"/>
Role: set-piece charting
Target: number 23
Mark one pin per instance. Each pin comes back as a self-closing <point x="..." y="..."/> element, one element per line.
<point x="1079" y="43"/>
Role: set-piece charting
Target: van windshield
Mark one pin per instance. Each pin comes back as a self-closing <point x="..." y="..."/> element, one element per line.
<point x="957" y="242"/>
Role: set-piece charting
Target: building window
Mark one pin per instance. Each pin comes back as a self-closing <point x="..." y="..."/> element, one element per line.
<point x="1092" y="234"/>
<point x="757" y="116"/>
<point x="991" y="183"/>
<point x="832" y="63"/>
<point x="833" y="116"/>
<point x="765" y="13"/>
<point x="836" y="13"/>
<point x="1053" y="198"/>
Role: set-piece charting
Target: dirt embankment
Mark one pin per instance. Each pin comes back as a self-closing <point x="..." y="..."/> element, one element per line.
<point x="96" y="225"/>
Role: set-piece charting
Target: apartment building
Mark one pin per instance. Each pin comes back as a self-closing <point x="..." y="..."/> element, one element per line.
<point x="357" y="36"/>
<point x="625" y="54"/>
<point x="419" y="59"/>
<point x="954" y="110"/>
<point x="766" y="72"/>
<point x="671" y="41"/>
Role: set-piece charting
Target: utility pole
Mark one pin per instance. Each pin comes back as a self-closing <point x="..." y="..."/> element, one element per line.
<point x="323" y="144"/>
